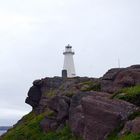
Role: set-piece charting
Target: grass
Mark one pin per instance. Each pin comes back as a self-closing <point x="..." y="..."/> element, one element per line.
<point x="69" y="94"/>
<point x="130" y="137"/>
<point x="50" y="94"/>
<point x="130" y="94"/>
<point x="50" y="113"/>
<point x="29" y="129"/>
<point x="90" y="86"/>
<point x="126" y="137"/>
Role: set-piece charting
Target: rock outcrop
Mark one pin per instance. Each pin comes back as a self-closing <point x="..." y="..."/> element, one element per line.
<point x="85" y="104"/>
<point x="46" y="88"/>
<point x="132" y="126"/>
<point x="91" y="114"/>
<point x="80" y="103"/>
<point x="115" y="79"/>
<point x="95" y="116"/>
<point x="60" y="105"/>
<point x="34" y="96"/>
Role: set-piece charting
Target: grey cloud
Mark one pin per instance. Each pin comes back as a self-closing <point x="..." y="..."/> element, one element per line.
<point x="31" y="45"/>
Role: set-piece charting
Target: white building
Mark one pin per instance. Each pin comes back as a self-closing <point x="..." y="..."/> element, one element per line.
<point x="69" y="62"/>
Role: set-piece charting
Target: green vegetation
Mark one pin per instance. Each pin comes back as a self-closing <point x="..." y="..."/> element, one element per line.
<point x="130" y="94"/>
<point x="90" y="86"/>
<point x="126" y="137"/>
<point x="134" y="115"/>
<point x="130" y="137"/>
<point x="114" y="134"/>
<point x="50" y="113"/>
<point x="29" y="129"/>
<point x="50" y="94"/>
<point x="69" y="94"/>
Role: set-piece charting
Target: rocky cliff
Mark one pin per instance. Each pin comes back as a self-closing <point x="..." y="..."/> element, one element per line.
<point x="83" y="108"/>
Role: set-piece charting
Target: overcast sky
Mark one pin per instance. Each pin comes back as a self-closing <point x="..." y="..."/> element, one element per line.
<point x="33" y="34"/>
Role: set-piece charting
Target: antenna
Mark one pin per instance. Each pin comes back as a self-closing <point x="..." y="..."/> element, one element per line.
<point x="119" y="63"/>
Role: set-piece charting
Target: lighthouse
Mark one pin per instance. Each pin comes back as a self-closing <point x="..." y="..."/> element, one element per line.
<point x="68" y="67"/>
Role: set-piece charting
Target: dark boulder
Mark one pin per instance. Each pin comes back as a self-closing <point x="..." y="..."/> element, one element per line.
<point x="34" y="96"/>
<point x="37" y="83"/>
<point x="60" y="105"/>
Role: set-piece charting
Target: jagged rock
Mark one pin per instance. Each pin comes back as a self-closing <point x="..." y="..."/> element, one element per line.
<point x="105" y="114"/>
<point x="48" y="124"/>
<point x="94" y="116"/>
<point x="51" y="83"/>
<point x="112" y="73"/>
<point x="76" y="115"/>
<point x="76" y="121"/>
<point x="76" y="118"/>
<point x="41" y="87"/>
<point x="55" y="86"/>
<point x="37" y="83"/>
<point x="91" y="115"/>
<point x="115" y="79"/>
<point x="60" y="105"/>
<point x="34" y="96"/>
<point x="132" y="126"/>
<point x="42" y="107"/>
<point x="135" y="67"/>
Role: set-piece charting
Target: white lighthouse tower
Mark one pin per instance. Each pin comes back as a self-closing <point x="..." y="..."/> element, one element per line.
<point x="68" y="67"/>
